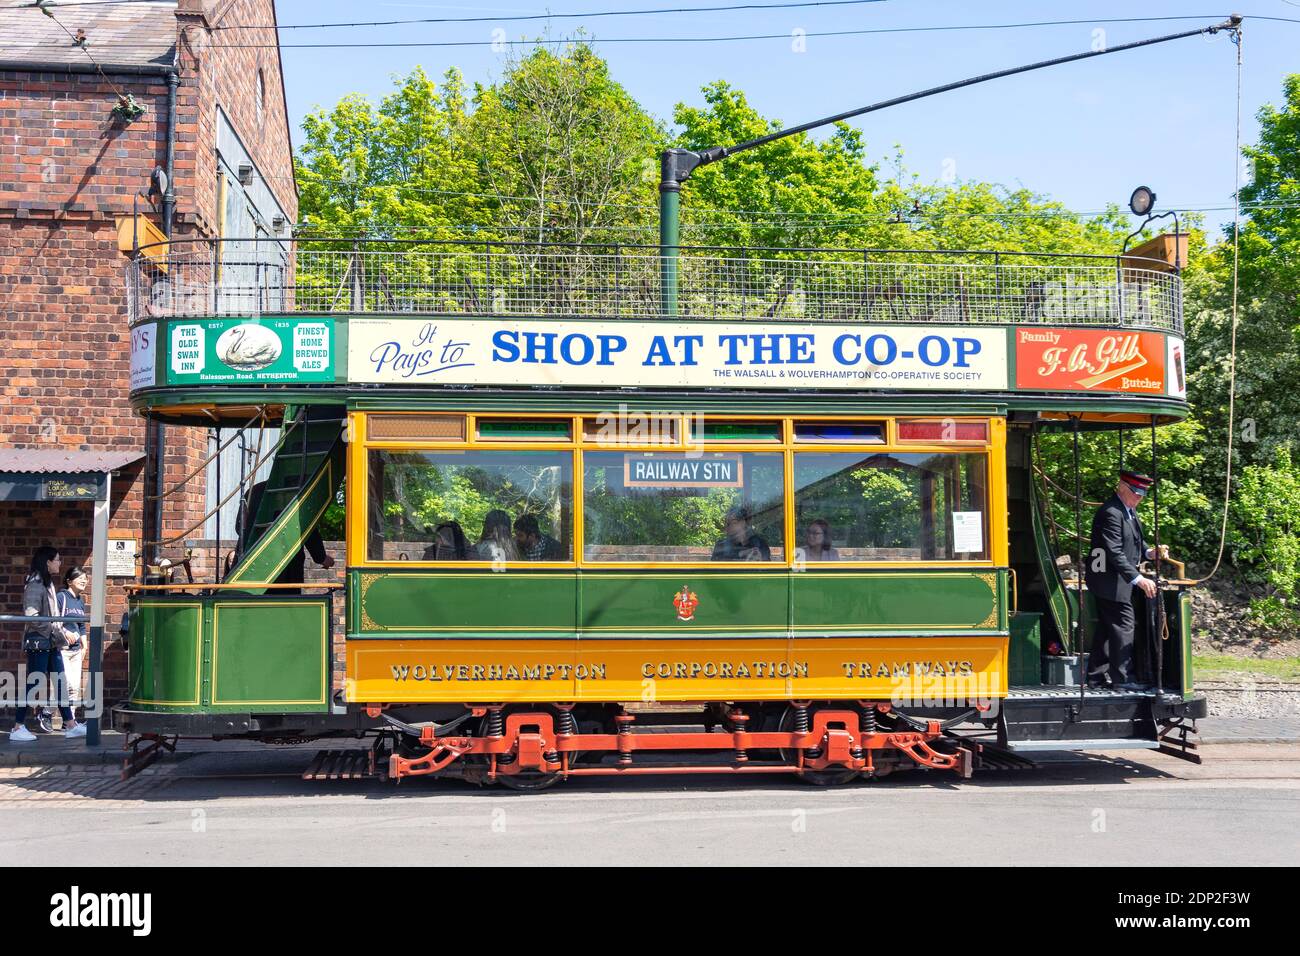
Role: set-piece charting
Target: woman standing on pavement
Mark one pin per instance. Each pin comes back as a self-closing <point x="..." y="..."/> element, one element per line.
<point x="72" y="603"/>
<point x="43" y="643"/>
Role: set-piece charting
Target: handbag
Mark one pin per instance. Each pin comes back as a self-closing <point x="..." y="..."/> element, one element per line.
<point x="34" y="641"/>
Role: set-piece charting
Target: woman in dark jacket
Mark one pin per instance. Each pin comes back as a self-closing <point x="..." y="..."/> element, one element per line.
<point x="43" y="642"/>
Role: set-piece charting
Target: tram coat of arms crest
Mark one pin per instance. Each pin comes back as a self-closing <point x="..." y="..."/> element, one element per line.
<point x="686" y="602"/>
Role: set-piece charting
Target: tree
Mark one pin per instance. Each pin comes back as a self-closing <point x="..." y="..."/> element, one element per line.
<point x="1266" y="534"/>
<point x="567" y="152"/>
<point x="1271" y="240"/>
<point x="401" y="170"/>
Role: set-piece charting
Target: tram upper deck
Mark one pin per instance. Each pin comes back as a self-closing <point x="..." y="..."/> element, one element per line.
<point x="1045" y="331"/>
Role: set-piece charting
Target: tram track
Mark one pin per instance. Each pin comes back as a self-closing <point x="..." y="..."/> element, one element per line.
<point x="1224" y="766"/>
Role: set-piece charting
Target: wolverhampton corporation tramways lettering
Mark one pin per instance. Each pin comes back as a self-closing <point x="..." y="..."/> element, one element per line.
<point x="487" y="672"/>
<point x="908" y="669"/>
<point x="679" y="670"/>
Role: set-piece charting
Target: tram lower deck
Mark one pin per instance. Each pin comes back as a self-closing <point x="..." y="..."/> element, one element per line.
<point x="531" y="597"/>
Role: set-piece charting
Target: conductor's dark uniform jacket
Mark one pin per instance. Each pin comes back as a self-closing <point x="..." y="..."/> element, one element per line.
<point x="1117" y="546"/>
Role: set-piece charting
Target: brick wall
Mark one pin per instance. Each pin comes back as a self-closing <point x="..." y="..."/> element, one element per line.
<point x="68" y="168"/>
<point x="65" y="155"/>
<point x="25" y="526"/>
<point x="228" y="77"/>
<point x="334" y="575"/>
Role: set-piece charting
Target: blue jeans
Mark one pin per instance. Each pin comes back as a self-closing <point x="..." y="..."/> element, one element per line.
<point x="40" y="664"/>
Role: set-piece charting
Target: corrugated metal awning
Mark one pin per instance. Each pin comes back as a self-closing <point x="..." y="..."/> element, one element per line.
<point x="61" y="461"/>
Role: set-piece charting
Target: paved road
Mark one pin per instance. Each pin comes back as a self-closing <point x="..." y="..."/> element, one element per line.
<point x="1241" y="807"/>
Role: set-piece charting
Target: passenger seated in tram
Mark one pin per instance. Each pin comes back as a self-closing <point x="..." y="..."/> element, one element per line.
<point x="533" y="544"/>
<point x="449" y="543"/>
<point x="817" y="542"/>
<point x="740" y="542"/>
<point x="496" y="543"/>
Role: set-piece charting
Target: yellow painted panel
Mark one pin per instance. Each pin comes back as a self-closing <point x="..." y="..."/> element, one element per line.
<point x="937" y="670"/>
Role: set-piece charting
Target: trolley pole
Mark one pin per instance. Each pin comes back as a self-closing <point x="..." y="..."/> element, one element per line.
<point x="676" y="165"/>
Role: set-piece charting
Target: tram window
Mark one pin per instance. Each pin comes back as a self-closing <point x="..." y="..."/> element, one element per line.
<point x="416" y="428"/>
<point x="672" y="507"/>
<point x="890" y="507"/>
<point x="524" y="429"/>
<point x="470" y="505"/>
<point x="941" y="430"/>
<point x="736" y="431"/>
<point x="848" y="433"/>
<point x="631" y="428"/>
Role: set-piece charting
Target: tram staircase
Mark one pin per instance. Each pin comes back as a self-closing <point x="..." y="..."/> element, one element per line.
<point x="304" y="477"/>
<point x="1032" y="554"/>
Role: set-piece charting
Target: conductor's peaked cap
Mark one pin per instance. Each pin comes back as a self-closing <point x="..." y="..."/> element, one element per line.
<point x="1136" y="481"/>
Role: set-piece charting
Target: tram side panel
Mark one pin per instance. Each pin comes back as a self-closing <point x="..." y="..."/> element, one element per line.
<point x="927" y="635"/>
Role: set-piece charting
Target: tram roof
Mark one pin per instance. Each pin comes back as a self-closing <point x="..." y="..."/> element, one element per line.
<point x="222" y="321"/>
<point x="239" y="277"/>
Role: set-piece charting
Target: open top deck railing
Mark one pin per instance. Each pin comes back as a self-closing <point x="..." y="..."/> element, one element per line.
<point x="530" y="280"/>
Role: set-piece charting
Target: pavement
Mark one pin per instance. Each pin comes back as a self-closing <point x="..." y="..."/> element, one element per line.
<point x="54" y="750"/>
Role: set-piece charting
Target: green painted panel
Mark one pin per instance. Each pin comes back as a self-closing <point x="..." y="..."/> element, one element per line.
<point x="911" y="600"/>
<point x="464" y="604"/>
<point x="270" y="655"/>
<point x="525" y="604"/>
<point x="642" y="602"/>
<point x="163" y="656"/>
<point x="1026" y="653"/>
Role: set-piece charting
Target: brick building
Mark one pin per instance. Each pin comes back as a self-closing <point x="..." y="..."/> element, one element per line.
<point x="93" y="100"/>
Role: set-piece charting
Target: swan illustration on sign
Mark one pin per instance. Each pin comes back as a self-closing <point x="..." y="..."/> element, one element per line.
<point x="249" y="348"/>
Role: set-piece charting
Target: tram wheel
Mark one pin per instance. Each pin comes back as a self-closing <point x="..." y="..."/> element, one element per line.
<point x="831" y="777"/>
<point x="528" y="780"/>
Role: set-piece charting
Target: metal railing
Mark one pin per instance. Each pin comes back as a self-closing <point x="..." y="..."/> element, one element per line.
<point x="252" y="277"/>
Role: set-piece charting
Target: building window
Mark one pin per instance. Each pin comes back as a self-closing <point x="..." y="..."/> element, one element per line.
<point x="260" y="101"/>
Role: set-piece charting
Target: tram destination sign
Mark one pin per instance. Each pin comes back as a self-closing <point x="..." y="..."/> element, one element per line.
<point x="674" y="471"/>
<point x="249" y="350"/>
<point x="675" y="354"/>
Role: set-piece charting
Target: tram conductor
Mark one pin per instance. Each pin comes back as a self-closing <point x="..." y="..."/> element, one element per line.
<point x="1117" y="547"/>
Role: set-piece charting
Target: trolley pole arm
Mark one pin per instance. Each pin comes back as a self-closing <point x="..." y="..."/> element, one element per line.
<point x="677" y="165"/>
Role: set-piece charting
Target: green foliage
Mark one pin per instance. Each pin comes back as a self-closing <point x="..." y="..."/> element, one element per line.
<point x="684" y="520"/>
<point x="865" y="507"/>
<point x="803" y="192"/>
<point x="395" y="170"/>
<point x="555" y="149"/>
<point x="1266" y="535"/>
<point x="1267" y="407"/>
<point x="1188" y="518"/>
<point x="1279" y="668"/>
<point x="569" y="152"/>
<point x="1271" y="240"/>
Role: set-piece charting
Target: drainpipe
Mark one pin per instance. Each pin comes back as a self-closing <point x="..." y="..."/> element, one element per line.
<point x="168" y="211"/>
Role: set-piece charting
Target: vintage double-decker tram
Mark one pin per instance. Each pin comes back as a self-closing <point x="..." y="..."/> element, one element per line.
<point x="785" y="520"/>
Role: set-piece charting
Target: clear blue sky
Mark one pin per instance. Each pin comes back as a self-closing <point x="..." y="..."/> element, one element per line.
<point x="1084" y="133"/>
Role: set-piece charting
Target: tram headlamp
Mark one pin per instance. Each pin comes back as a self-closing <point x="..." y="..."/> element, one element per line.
<point x="1142" y="201"/>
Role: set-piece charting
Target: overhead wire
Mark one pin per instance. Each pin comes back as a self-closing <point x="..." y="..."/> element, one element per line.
<point x="547" y="41"/>
<point x="1232" y="334"/>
